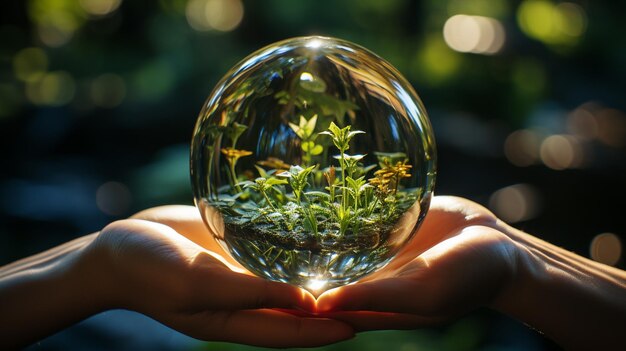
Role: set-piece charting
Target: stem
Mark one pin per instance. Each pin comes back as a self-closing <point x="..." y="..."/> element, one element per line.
<point x="370" y="208"/>
<point x="233" y="175"/>
<point x="313" y="221"/>
<point x="343" y="179"/>
<point x="396" y="184"/>
<point x="267" y="199"/>
<point x="306" y="158"/>
<point x="297" y="193"/>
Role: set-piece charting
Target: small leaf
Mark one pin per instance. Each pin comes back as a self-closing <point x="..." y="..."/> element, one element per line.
<point x="302" y="123"/>
<point x="235" y="130"/>
<point x="247" y="184"/>
<point x="353" y="133"/>
<point x="317" y="150"/>
<point x="299" y="131"/>
<point x="262" y="172"/>
<point x="357" y="157"/>
<point x="276" y="181"/>
<point x="310" y="125"/>
<point x="285" y="174"/>
<point x="308" y="146"/>
<point x="318" y="194"/>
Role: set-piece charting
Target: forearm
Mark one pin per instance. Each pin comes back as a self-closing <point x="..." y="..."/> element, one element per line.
<point x="47" y="292"/>
<point x="579" y="303"/>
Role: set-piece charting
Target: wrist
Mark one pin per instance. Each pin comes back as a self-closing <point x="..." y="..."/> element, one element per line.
<point x="525" y="269"/>
<point x="53" y="288"/>
<point x="91" y="275"/>
<point x="565" y="296"/>
<point x="101" y="273"/>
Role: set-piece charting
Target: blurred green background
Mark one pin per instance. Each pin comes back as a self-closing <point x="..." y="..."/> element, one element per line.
<point x="98" y="99"/>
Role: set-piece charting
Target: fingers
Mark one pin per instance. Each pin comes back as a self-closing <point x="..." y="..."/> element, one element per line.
<point x="187" y="221"/>
<point x="446" y="217"/>
<point x="221" y="288"/>
<point x="384" y="295"/>
<point x="267" y="328"/>
<point x="365" y="320"/>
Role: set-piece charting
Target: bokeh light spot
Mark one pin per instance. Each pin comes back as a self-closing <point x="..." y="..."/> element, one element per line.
<point x="53" y="89"/>
<point x="561" y="24"/>
<point x="99" y="7"/>
<point x="53" y="36"/>
<point x="573" y="19"/>
<point x="516" y="203"/>
<point x="30" y="64"/>
<point x="474" y="34"/>
<point x="611" y="127"/>
<point x="56" y="20"/>
<point x="582" y="123"/>
<point x="220" y="15"/>
<point x="561" y="152"/>
<point x="606" y="248"/>
<point x="435" y="61"/>
<point x="521" y="147"/>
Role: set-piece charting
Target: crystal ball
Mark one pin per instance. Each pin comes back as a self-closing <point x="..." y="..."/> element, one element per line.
<point x="313" y="162"/>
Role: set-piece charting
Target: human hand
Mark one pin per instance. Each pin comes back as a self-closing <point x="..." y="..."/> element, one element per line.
<point x="464" y="258"/>
<point x="163" y="263"/>
<point x="155" y="266"/>
<point x="460" y="260"/>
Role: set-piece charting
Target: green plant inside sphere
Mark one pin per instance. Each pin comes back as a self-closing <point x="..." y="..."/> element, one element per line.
<point x="313" y="162"/>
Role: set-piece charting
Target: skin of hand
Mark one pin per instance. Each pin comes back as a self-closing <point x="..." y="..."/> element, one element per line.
<point x="464" y="258"/>
<point x="163" y="263"/>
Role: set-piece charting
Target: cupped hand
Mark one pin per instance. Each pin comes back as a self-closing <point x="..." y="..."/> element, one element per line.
<point x="164" y="263"/>
<point x="459" y="260"/>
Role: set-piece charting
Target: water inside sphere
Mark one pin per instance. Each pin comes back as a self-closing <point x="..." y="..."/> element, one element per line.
<point x="313" y="162"/>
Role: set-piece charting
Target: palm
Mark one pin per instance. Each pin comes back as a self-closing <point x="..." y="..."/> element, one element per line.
<point x="458" y="261"/>
<point x="165" y="264"/>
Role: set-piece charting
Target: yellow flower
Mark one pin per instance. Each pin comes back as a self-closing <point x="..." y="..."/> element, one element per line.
<point x="274" y="163"/>
<point x="330" y="176"/>
<point x="232" y="154"/>
<point x="385" y="175"/>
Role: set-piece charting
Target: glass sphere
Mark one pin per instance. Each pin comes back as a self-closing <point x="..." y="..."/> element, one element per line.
<point x="313" y="162"/>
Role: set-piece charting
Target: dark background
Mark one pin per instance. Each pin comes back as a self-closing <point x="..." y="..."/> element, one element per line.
<point x="98" y="99"/>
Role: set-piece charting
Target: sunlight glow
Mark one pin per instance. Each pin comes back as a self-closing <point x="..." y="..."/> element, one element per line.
<point x="316" y="285"/>
<point x="306" y="76"/>
<point x="314" y="43"/>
